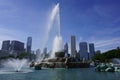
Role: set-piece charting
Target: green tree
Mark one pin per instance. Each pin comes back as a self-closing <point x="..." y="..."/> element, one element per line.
<point x="106" y="56"/>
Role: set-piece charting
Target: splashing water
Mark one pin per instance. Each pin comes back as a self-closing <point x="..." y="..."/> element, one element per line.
<point x="57" y="45"/>
<point x="16" y="64"/>
<point x="57" y="42"/>
<point x="53" y="14"/>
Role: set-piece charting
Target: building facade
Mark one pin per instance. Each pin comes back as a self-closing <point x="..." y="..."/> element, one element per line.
<point x="29" y="44"/>
<point x="83" y="51"/>
<point x="66" y="47"/>
<point x="98" y="52"/>
<point x="5" y="48"/>
<point x="91" y="50"/>
<point x="5" y="45"/>
<point x="16" y="47"/>
<point x="73" y="46"/>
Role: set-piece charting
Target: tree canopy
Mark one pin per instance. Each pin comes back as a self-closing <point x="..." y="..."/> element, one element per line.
<point x="106" y="56"/>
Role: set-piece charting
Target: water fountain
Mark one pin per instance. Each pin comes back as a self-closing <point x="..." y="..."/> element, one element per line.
<point x="57" y="59"/>
<point x="54" y="16"/>
<point x="57" y="42"/>
<point x="15" y="64"/>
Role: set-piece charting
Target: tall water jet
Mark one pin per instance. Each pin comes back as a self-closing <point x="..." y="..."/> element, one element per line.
<point x="54" y="15"/>
<point x="57" y="45"/>
<point x="57" y="42"/>
<point x="51" y="18"/>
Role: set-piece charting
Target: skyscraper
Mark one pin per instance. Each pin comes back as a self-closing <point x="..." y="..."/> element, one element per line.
<point x="73" y="46"/>
<point x="38" y="54"/>
<point x="91" y="50"/>
<point x="66" y="48"/>
<point x="5" y="48"/>
<point x="16" y="47"/>
<point x="98" y="52"/>
<point x="29" y="44"/>
<point x="45" y="51"/>
<point x="44" y="54"/>
<point x="83" y="50"/>
<point x="6" y="45"/>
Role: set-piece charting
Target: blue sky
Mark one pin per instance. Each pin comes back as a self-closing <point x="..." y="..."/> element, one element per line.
<point x="93" y="21"/>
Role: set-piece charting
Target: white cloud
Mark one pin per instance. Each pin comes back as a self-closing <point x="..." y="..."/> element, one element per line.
<point x="103" y="43"/>
<point x="107" y="31"/>
<point x="106" y="44"/>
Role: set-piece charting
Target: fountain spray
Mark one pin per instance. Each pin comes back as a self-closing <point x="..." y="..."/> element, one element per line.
<point x="57" y="41"/>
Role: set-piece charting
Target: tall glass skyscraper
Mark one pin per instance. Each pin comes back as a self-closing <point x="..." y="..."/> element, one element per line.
<point x="5" y="45"/>
<point x="66" y="48"/>
<point x="91" y="50"/>
<point x="83" y="51"/>
<point x="73" y="46"/>
<point x="29" y="44"/>
<point x="12" y="47"/>
<point x="17" y="46"/>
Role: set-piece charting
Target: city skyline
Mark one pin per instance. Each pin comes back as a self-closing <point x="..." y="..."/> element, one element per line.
<point x="90" y="21"/>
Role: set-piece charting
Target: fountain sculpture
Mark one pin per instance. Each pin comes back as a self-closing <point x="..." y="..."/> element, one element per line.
<point x="57" y="59"/>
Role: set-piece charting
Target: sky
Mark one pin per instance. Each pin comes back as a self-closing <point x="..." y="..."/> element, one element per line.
<point x="92" y="21"/>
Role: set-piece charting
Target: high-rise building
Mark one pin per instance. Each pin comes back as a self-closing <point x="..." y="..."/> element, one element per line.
<point x="45" y="51"/>
<point x="73" y="46"/>
<point x="77" y="55"/>
<point x="29" y="44"/>
<point x="38" y="54"/>
<point x="5" y="45"/>
<point x="66" y="48"/>
<point x="38" y="51"/>
<point x="98" y="52"/>
<point x="44" y="54"/>
<point x="91" y="50"/>
<point x="16" y="47"/>
<point x="83" y="51"/>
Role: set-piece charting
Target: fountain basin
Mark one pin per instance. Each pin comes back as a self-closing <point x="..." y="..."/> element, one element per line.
<point x="59" y="54"/>
<point x="61" y="63"/>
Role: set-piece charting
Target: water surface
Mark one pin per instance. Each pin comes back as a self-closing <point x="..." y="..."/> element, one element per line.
<point x="59" y="74"/>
